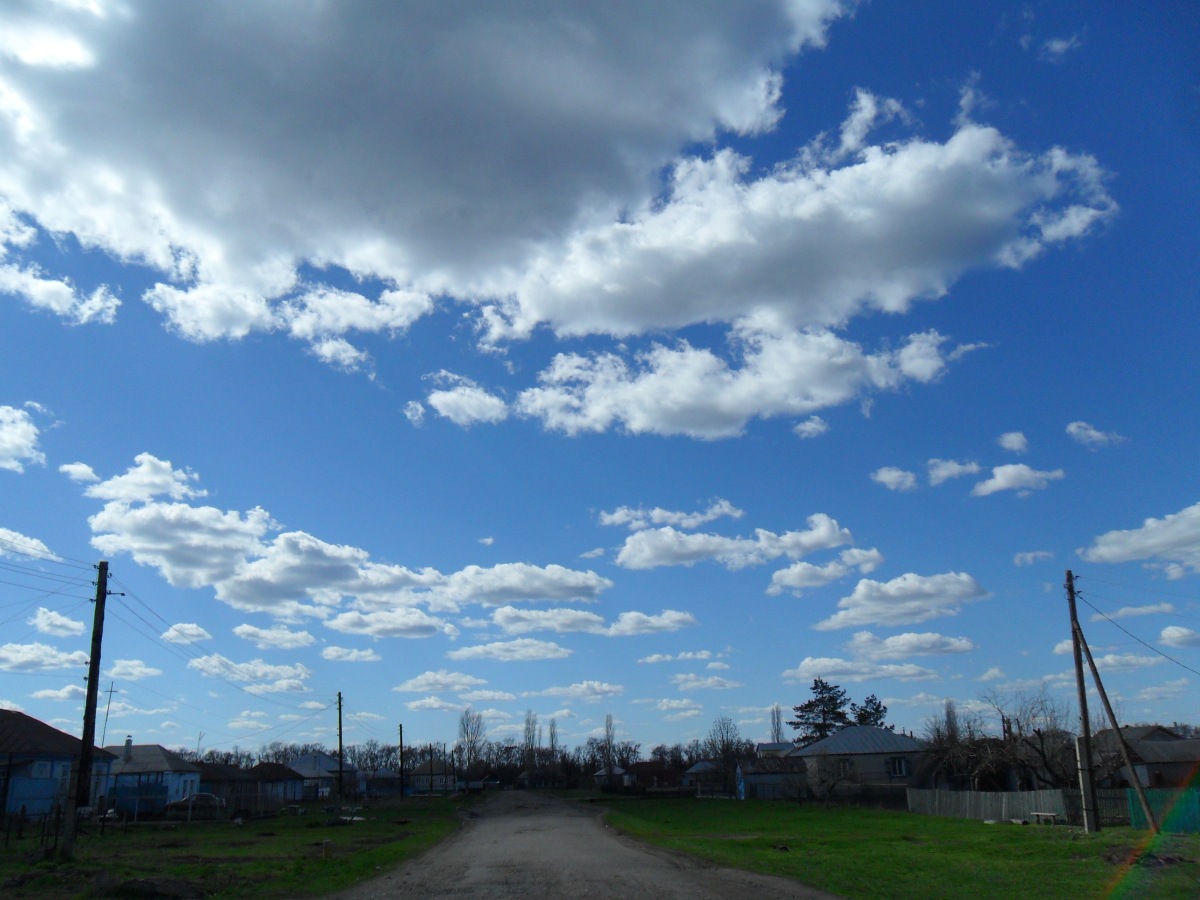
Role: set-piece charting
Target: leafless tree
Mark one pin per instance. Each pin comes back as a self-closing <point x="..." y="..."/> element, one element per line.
<point x="777" y="724"/>
<point x="723" y="745"/>
<point x="471" y="738"/>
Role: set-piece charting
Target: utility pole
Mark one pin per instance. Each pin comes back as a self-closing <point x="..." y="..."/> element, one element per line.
<point x="401" y="760"/>
<point x="108" y="708"/>
<point x="341" y="763"/>
<point x="1083" y="747"/>
<point x="83" y="775"/>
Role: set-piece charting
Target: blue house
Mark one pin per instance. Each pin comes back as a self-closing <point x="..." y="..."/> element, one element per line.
<point x="36" y="762"/>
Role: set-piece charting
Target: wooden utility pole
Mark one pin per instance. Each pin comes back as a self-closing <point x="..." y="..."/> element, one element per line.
<point x="341" y="755"/>
<point x="83" y="776"/>
<point x="1112" y="718"/>
<point x="1083" y="748"/>
<point x="401" y="760"/>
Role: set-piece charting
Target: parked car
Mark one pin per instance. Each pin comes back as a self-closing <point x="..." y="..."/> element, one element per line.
<point x="197" y="805"/>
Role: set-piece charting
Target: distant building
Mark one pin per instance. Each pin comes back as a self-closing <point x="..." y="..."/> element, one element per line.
<point x="35" y="765"/>
<point x="144" y="778"/>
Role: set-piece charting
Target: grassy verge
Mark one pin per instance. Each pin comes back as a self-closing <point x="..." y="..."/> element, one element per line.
<point x="866" y="853"/>
<point x="284" y="856"/>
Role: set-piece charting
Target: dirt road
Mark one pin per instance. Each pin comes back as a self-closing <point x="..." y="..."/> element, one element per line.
<point x="518" y="844"/>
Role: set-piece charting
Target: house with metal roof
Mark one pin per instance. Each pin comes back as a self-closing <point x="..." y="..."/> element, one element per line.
<point x="144" y="778"/>
<point x="35" y="764"/>
<point x="860" y="756"/>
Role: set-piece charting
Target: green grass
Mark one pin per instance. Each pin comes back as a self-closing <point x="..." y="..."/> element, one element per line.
<point x="274" y="857"/>
<point x="868" y="853"/>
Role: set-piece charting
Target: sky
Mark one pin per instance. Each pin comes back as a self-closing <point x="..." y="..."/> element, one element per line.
<point x="649" y="360"/>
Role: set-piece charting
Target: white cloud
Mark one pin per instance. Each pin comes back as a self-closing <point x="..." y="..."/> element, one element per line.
<point x="132" y="670"/>
<point x="634" y="623"/>
<point x="47" y="621"/>
<point x="1160" y="692"/>
<point x="80" y="472"/>
<point x="867" y="645"/>
<point x="185" y="633"/>
<point x="466" y="402"/>
<point x="836" y="669"/>
<point x="414" y="411"/>
<point x="669" y="657"/>
<point x="1127" y="612"/>
<point x="1089" y="436"/>
<point x="18" y="438"/>
<point x="1126" y="662"/>
<point x="38" y="658"/>
<point x="1015" y="477"/>
<point x="905" y="600"/>
<point x="149" y="478"/>
<point x="641" y="518"/>
<point x="1178" y="636"/>
<point x="690" y="682"/>
<point x="277" y="638"/>
<point x="587" y="691"/>
<point x="1014" y="441"/>
<point x="520" y="621"/>
<point x="1172" y="540"/>
<point x="439" y="682"/>
<point x="405" y="621"/>
<point x="1054" y="50"/>
<point x="1030" y="557"/>
<point x="67" y="692"/>
<point x="942" y="470"/>
<point x="486" y="696"/>
<point x="345" y="654"/>
<point x="519" y="650"/>
<point x="995" y="673"/>
<point x="895" y="479"/>
<point x="693" y="391"/>
<point x="813" y="426"/>
<point x="257" y="675"/>
<point x="15" y="545"/>
<point x="1063" y="647"/>
<point x="433" y="704"/>
<point x="667" y="546"/>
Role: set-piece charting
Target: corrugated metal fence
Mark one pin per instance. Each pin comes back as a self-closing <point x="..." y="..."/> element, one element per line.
<point x="1114" y="805"/>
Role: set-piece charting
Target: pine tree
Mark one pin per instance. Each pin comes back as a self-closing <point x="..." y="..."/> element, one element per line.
<point x="824" y="714"/>
<point x="872" y="712"/>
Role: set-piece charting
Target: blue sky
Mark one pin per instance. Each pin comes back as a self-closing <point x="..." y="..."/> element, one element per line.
<point x="651" y="361"/>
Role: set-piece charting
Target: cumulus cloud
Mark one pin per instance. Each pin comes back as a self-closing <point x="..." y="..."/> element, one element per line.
<point x="942" y="470"/>
<point x="836" y="669"/>
<point x="519" y="650"/>
<point x="1014" y="441"/>
<point x="345" y="654"/>
<point x="1015" y="477"/>
<point x="517" y="621"/>
<point x="1128" y="612"/>
<point x="668" y="546"/>
<point x="895" y="479"/>
<point x="801" y="576"/>
<point x="47" y="621"/>
<point x="1028" y="558"/>
<point x="587" y="691"/>
<point x="433" y="704"/>
<point x="38" y="658"/>
<point x="1172" y="541"/>
<point x="78" y="471"/>
<point x="66" y="692"/>
<point x="867" y="645"/>
<point x="258" y="676"/>
<point x="813" y="426"/>
<point x="18" y="439"/>
<point x="1090" y="436"/>
<point x="407" y="622"/>
<point x="641" y="518"/>
<point x="277" y="638"/>
<point x="690" y="682"/>
<point x="185" y="633"/>
<point x="439" y="682"/>
<point x="673" y="657"/>
<point x="1178" y="636"/>
<point x="905" y="600"/>
<point x="132" y="670"/>
<point x="465" y="402"/>
<point x="15" y="545"/>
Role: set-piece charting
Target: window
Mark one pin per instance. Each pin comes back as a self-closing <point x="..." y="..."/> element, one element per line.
<point x="845" y="767"/>
<point x="898" y="766"/>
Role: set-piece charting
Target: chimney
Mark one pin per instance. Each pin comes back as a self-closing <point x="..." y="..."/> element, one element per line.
<point x="128" y="754"/>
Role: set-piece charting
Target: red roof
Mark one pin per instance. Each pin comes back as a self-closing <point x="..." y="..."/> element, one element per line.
<point x="26" y="736"/>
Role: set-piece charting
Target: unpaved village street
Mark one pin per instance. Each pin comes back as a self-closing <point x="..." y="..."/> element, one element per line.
<point x="518" y="844"/>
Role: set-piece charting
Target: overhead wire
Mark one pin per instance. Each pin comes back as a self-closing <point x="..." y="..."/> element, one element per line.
<point x="1079" y="596"/>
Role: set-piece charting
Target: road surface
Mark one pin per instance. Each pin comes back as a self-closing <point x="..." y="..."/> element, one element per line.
<point x="519" y="844"/>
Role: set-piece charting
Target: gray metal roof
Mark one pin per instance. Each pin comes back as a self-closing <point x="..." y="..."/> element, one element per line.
<point x="147" y="758"/>
<point x="862" y="739"/>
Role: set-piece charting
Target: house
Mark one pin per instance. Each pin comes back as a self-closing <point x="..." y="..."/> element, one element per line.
<point x="323" y="776"/>
<point x="430" y="777"/>
<point x="146" y="777"/>
<point x="780" y="748"/>
<point x="859" y="756"/>
<point x="706" y="776"/>
<point x="611" y="778"/>
<point x="276" y="785"/>
<point x="35" y="765"/>
<point x="233" y="785"/>
<point x="652" y="774"/>
<point x="772" y="778"/>
<point x="1161" y="758"/>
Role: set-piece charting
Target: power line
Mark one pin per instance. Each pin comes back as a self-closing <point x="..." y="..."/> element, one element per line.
<point x="1145" y="644"/>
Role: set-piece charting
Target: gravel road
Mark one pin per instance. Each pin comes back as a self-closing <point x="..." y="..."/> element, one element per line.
<point x="518" y="844"/>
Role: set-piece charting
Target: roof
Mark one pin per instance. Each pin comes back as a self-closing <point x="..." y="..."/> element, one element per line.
<point x="147" y="758"/>
<point x="1154" y="752"/>
<point x="703" y="768"/>
<point x="429" y="767"/>
<point x="269" y="771"/>
<point x="215" y="773"/>
<point x="26" y="736"/>
<point x="320" y="765"/>
<point x="772" y="765"/>
<point x="862" y="739"/>
<point x="774" y="748"/>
